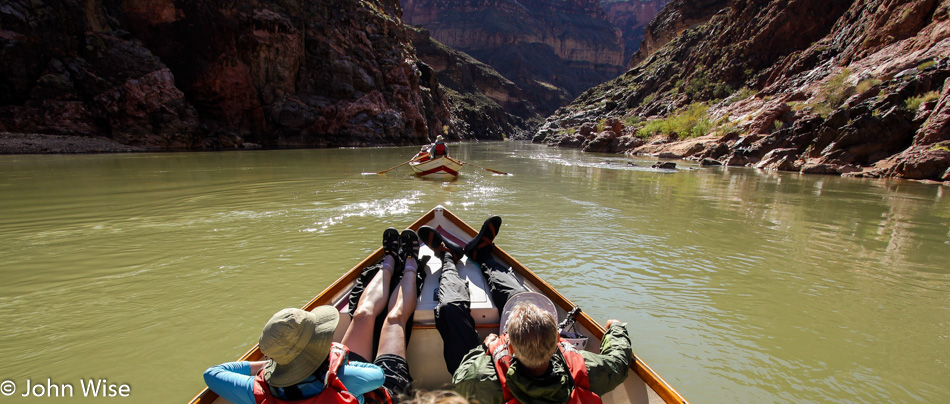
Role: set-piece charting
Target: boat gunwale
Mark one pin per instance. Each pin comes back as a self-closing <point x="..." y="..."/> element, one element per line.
<point x="644" y="371"/>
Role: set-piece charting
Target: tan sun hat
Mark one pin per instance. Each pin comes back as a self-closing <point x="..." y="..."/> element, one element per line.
<point x="297" y="342"/>
<point x="535" y="298"/>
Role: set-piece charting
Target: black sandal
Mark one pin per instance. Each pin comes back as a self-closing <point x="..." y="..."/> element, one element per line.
<point x="438" y="243"/>
<point x="391" y="242"/>
<point x="482" y="244"/>
<point x="409" y="244"/>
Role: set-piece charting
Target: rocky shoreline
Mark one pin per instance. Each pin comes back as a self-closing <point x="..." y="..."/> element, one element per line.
<point x="31" y="143"/>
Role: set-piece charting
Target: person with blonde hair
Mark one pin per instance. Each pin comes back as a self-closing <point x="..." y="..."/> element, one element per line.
<point x="528" y="362"/>
<point x="437" y="397"/>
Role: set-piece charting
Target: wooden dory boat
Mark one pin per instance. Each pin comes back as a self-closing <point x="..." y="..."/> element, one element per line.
<point x="424" y="353"/>
<point x="439" y="168"/>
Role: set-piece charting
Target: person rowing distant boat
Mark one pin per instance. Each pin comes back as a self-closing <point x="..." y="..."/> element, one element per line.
<point x="438" y="149"/>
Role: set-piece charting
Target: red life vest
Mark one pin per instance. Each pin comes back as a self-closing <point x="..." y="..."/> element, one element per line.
<point x="581" y="394"/>
<point x="333" y="392"/>
<point x="440" y="150"/>
<point x="421" y="156"/>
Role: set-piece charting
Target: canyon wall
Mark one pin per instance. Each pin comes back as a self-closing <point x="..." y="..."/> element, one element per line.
<point x="856" y="88"/>
<point x="484" y="104"/>
<point x="632" y="18"/>
<point x="177" y="74"/>
<point x="553" y="50"/>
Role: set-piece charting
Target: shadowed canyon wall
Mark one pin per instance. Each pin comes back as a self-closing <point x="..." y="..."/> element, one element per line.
<point x="553" y="50"/>
<point x="632" y="17"/>
<point x="177" y="74"/>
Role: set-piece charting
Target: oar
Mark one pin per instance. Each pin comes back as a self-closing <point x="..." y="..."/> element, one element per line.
<point x="476" y="165"/>
<point x="388" y="169"/>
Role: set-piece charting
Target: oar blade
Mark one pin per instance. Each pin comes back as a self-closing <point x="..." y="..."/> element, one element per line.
<point x="483" y="168"/>
<point x="389" y="169"/>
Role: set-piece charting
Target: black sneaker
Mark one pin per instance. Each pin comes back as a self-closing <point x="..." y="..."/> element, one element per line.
<point x="482" y="245"/>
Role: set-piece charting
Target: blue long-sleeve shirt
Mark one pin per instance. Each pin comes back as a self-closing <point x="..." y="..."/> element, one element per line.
<point x="234" y="382"/>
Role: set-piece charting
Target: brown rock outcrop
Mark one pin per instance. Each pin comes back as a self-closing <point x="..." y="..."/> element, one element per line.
<point x="678" y="16"/>
<point x="937" y="126"/>
<point x="852" y="88"/>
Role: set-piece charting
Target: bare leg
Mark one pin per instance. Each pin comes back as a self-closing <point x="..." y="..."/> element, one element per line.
<point x="359" y="334"/>
<point x="402" y="304"/>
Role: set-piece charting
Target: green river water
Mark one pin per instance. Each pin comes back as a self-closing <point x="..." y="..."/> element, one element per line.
<point x="738" y="285"/>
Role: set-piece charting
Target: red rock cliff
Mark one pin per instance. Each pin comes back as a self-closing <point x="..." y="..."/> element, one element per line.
<point x="176" y="74"/>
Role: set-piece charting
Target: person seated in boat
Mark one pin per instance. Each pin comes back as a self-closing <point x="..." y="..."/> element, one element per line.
<point x="529" y="343"/>
<point x="305" y="365"/>
<point x="422" y="155"/>
<point x="438" y="148"/>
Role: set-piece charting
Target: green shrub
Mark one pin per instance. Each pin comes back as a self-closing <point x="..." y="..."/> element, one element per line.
<point x="691" y="121"/>
<point x="631" y="120"/>
<point x="866" y="85"/>
<point x="836" y="91"/>
<point x="746" y="92"/>
<point x="913" y="103"/>
<point x="696" y="85"/>
<point x="567" y="131"/>
<point x="925" y="65"/>
<point x="832" y="94"/>
<point x="725" y="126"/>
<point x="822" y="109"/>
<point x="648" y="99"/>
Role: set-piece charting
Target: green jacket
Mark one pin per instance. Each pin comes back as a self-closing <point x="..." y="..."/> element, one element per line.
<point x="476" y="378"/>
